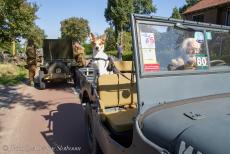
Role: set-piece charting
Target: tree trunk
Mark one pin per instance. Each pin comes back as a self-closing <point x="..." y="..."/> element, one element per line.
<point x="121" y="33"/>
<point x="13" y="48"/>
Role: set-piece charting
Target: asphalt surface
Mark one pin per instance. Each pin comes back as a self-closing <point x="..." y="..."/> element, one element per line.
<point x="41" y="121"/>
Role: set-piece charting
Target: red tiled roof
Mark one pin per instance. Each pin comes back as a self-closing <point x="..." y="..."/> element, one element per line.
<point x="204" y="4"/>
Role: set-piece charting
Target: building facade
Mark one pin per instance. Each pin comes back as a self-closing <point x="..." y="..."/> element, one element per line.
<point x="210" y="11"/>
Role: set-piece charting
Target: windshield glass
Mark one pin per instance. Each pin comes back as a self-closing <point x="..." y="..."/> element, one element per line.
<point x="219" y="48"/>
<point x="172" y="48"/>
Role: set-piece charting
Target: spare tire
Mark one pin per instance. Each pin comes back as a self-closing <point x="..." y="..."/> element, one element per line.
<point x="58" y="67"/>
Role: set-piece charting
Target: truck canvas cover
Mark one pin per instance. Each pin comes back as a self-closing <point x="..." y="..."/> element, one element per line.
<point x="55" y="49"/>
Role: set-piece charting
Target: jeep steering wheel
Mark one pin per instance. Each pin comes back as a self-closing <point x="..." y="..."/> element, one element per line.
<point x="217" y="63"/>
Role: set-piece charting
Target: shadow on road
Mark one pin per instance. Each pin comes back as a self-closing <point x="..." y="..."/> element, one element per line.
<point x="9" y="96"/>
<point x="57" y="86"/>
<point x="66" y="129"/>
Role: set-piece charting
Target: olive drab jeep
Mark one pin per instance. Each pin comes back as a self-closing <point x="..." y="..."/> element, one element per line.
<point x="58" y="63"/>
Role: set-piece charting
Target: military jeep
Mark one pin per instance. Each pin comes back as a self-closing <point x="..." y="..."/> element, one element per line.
<point x="158" y="106"/>
<point x="58" y="63"/>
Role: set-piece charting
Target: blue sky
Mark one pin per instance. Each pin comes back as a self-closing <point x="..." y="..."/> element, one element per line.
<point x="51" y="12"/>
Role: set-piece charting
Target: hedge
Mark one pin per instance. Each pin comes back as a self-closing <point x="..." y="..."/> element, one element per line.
<point x="127" y="55"/>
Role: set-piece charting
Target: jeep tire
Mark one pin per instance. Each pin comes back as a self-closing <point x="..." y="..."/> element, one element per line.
<point x="93" y="144"/>
<point x="42" y="84"/>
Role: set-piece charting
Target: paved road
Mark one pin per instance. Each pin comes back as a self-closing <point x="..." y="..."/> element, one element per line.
<point x="40" y="122"/>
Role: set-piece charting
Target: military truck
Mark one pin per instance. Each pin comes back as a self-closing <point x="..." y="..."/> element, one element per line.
<point x="173" y="98"/>
<point x="58" y="63"/>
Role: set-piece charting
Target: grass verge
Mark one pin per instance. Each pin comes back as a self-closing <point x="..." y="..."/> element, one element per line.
<point x="11" y="74"/>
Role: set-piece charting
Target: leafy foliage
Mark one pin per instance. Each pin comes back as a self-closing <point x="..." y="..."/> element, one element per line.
<point x="37" y="34"/>
<point x="127" y="56"/>
<point x="16" y="17"/>
<point x="110" y="43"/>
<point x="127" y="42"/>
<point x="118" y="13"/>
<point x="88" y="48"/>
<point x="188" y="4"/>
<point x="6" y="46"/>
<point x="127" y="47"/>
<point x="144" y="6"/>
<point x="76" y="29"/>
<point x="176" y="13"/>
<point x="17" y="21"/>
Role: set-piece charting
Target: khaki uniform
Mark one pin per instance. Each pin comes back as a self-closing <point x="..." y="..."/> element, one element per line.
<point x="31" y="61"/>
<point x="79" y="55"/>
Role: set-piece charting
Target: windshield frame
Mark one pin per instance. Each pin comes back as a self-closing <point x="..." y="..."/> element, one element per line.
<point x="156" y="21"/>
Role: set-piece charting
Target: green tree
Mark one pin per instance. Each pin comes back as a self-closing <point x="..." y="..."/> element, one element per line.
<point x="118" y="13"/>
<point x="110" y="43"/>
<point x="188" y="3"/>
<point x="127" y="41"/>
<point x="6" y="46"/>
<point x="19" y="47"/>
<point x="88" y="48"/>
<point x="176" y="13"/>
<point x="76" y="29"/>
<point x="16" y="17"/>
<point x="144" y="6"/>
<point x="37" y="34"/>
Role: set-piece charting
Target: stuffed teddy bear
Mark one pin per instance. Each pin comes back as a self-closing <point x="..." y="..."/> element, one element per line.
<point x="190" y="47"/>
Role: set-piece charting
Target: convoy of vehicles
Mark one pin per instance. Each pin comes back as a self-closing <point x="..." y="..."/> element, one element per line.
<point x="168" y="99"/>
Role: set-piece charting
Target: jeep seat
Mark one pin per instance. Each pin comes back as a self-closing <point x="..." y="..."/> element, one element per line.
<point x="123" y="66"/>
<point x="117" y="96"/>
<point x="122" y="120"/>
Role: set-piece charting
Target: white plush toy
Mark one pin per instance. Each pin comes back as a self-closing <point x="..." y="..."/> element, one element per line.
<point x="190" y="47"/>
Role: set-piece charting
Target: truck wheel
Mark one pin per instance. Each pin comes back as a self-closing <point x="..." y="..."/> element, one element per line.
<point x="42" y="85"/>
<point x="93" y="144"/>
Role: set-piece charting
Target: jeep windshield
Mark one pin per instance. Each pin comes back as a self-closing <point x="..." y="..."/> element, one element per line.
<point x="165" y="47"/>
<point x="177" y="60"/>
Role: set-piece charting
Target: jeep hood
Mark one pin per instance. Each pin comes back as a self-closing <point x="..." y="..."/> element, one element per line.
<point x="200" y="126"/>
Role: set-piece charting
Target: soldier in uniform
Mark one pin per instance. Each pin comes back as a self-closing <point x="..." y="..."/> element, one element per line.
<point x="31" y="60"/>
<point x="79" y="55"/>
